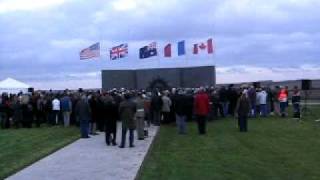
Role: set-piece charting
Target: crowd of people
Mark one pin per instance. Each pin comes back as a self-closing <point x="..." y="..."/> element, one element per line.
<point x="138" y="109"/>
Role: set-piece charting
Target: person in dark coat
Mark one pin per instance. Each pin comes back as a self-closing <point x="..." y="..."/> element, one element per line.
<point x="201" y="108"/>
<point x="127" y="110"/>
<point x="110" y="117"/>
<point x="73" y="117"/>
<point x="27" y="111"/>
<point x="2" y="112"/>
<point x="100" y="119"/>
<point x="94" y="114"/>
<point x="83" y="112"/>
<point x="48" y="110"/>
<point x="296" y="102"/>
<point x="156" y="106"/>
<point x="189" y="105"/>
<point x="223" y="99"/>
<point x="6" y="112"/>
<point x="40" y="114"/>
<point x="17" y="113"/>
<point x="242" y="111"/>
<point x="252" y="94"/>
<point x="216" y="106"/>
<point x="173" y="96"/>
<point x="232" y="98"/>
<point x="180" y="105"/>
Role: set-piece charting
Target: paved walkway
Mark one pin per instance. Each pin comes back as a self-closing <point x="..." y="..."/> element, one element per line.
<point x="90" y="159"/>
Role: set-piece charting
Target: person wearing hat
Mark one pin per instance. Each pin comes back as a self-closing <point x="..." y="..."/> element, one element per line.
<point x="242" y="111"/>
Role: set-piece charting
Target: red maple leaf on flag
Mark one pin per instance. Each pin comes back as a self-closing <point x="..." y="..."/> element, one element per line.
<point x="202" y="46"/>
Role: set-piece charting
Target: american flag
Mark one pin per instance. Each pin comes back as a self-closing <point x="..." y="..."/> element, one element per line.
<point x="90" y="52"/>
<point x="120" y="51"/>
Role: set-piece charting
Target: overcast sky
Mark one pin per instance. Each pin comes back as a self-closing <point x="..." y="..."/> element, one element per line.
<point x="40" y="40"/>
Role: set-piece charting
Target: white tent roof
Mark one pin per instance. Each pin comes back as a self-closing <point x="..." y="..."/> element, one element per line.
<point x="10" y="83"/>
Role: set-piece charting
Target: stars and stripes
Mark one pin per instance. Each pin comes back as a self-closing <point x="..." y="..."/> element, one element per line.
<point x="90" y="52"/>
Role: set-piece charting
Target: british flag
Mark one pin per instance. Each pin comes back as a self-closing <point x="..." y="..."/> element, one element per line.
<point x="90" y="52"/>
<point x="120" y="51"/>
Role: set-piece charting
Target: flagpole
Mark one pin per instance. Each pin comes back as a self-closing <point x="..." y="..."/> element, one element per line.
<point x="100" y="57"/>
<point x="213" y="53"/>
<point x="187" y="58"/>
<point x="158" y="55"/>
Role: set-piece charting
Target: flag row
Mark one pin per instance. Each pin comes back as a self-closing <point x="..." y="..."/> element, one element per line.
<point x="148" y="51"/>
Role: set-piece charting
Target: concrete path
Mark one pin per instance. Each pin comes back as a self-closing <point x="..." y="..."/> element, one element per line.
<point x="90" y="159"/>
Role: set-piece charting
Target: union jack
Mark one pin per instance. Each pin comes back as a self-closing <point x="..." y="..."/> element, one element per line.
<point x="120" y="51"/>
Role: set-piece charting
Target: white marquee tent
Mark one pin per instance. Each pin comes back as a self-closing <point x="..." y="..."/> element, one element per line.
<point x="13" y="86"/>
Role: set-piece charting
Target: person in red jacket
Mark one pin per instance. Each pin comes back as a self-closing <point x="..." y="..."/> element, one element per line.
<point x="201" y="109"/>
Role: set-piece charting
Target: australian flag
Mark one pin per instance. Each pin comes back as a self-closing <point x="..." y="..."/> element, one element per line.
<point x="148" y="51"/>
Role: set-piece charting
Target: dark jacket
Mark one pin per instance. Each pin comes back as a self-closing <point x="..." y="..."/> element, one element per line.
<point x="243" y="106"/>
<point x="181" y="105"/>
<point x="94" y="109"/>
<point x="127" y="110"/>
<point x="156" y="103"/>
<point x="83" y="110"/>
<point x="223" y="96"/>
<point x="110" y="115"/>
<point x="66" y="104"/>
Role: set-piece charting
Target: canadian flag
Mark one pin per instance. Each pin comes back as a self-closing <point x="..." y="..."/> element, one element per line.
<point x="203" y="46"/>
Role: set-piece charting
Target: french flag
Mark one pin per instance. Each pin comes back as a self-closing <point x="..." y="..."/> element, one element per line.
<point x="208" y="46"/>
<point x="180" y="47"/>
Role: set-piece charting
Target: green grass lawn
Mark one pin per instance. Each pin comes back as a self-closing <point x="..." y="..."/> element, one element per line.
<point x="274" y="148"/>
<point x="21" y="147"/>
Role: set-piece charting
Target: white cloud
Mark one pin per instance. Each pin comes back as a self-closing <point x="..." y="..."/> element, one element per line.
<point x="242" y="73"/>
<point x="27" y="5"/>
<point x="250" y="9"/>
<point x="71" y="43"/>
<point x="86" y="75"/>
<point x="124" y="5"/>
<point x="67" y="84"/>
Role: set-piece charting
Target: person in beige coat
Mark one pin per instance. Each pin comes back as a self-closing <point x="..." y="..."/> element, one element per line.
<point x="139" y="116"/>
<point x="166" y="106"/>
